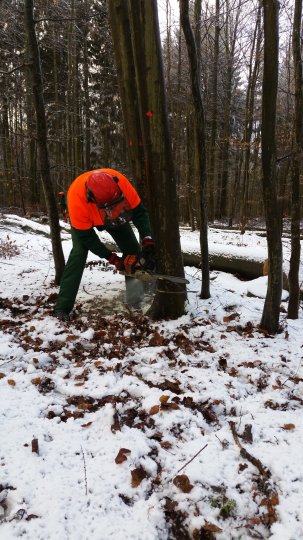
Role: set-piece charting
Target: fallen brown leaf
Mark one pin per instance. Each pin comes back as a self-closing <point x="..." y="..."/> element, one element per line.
<point x="87" y="424"/>
<point x="31" y="516"/>
<point x="154" y="410"/>
<point x="122" y="455"/>
<point x="165" y="444"/>
<point x="207" y="528"/>
<point x="156" y="340"/>
<point x="231" y="317"/>
<point x="169" y="406"/>
<point x="36" y="380"/>
<point x="70" y="337"/>
<point x="183" y="483"/>
<point x="251" y="365"/>
<point x="210" y="349"/>
<point x="211" y="527"/>
<point x="254" y="521"/>
<point x="138" y="475"/>
<point x="289" y="427"/>
<point x="173" y="386"/>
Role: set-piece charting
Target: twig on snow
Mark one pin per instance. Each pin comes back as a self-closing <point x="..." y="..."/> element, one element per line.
<point x="7" y="362"/>
<point x="85" y="476"/>
<point x="187" y="463"/>
<point x="246" y="455"/>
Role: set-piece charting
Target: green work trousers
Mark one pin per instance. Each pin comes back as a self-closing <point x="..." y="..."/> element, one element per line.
<point x="72" y="275"/>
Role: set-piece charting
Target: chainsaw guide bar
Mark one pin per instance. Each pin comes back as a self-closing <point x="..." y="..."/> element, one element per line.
<point x="143" y="275"/>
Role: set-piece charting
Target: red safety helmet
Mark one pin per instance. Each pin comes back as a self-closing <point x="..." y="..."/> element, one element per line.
<point x="102" y="189"/>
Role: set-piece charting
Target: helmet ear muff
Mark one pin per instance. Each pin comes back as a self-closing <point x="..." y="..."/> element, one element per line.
<point x="89" y="195"/>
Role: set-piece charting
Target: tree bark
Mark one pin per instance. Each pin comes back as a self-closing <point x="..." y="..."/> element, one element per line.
<point x="271" y="310"/>
<point x="7" y="150"/>
<point x="293" y="277"/>
<point x="37" y="89"/>
<point x="254" y="66"/>
<point x="231" y="32"/>
<point x="200" y="141"/>
<point x="120" y="27"/>
<point x="214" y="115"/>
<point x="170" y="298"/>
<point x="87" y="112"/>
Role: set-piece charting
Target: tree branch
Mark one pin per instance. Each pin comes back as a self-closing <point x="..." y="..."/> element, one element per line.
<point x="27" y="64"/>
<point x="246" y="455"/>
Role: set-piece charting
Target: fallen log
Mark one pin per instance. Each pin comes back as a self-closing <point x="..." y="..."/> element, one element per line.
<point x="244" y="267"/>
<point x="248" y="269"/>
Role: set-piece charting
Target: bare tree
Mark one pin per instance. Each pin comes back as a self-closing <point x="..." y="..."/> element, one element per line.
<point x="214" y="113"/>
<point x="37" y="89"/>
<point x="199" y="123"/>
<point x="83" y="106"/>
<point x="271" y="310"/>
<point x="120" y="27"/>
<point x="231" y="28"/>
<point x="294" y="286"/>
<point x="170" y="298"/>
<point x="253" y="71"/>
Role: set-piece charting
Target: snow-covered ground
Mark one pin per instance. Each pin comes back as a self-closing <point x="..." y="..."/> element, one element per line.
<point x="116" y="427"/>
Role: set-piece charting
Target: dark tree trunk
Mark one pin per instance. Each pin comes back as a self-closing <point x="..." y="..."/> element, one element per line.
<point x="271" y="310"/>
<point x="254" y="66"/>
<point x="37" y="89"/>
<point x="87" y="113"/>
<point x="170" y="299"/>
<point x="231" y="32"/>
<point x="214" y="116"/>
<point x="199" y="140"/>
<point x="31" y="169"/>
<point x="293" y="278"/>
<point x="120" y="27"/>
<point x="222" y="211"/>
<point x="7" y="150"/>
<point x="20" y="164"/>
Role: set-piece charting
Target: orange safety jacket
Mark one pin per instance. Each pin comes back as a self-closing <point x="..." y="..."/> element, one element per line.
<point x="85" y="215"/>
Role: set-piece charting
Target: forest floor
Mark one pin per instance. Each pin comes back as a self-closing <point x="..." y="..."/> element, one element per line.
<point x="113" y="426"/>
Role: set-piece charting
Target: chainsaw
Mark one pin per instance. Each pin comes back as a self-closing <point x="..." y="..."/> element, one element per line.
<point x="146" y="275"/>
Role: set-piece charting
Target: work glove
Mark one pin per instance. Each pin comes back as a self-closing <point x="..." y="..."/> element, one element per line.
<point x="147" y="254"/>
<point x="131" y="264"/>
<point x="116" y="261"/>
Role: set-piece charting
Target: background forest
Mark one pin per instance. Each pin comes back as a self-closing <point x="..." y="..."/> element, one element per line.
<point x="103" y="412"/>
<point x="83" y="110"/>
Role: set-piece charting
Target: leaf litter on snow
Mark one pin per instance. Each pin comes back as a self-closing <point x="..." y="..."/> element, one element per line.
<point x="180" y="429"/>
